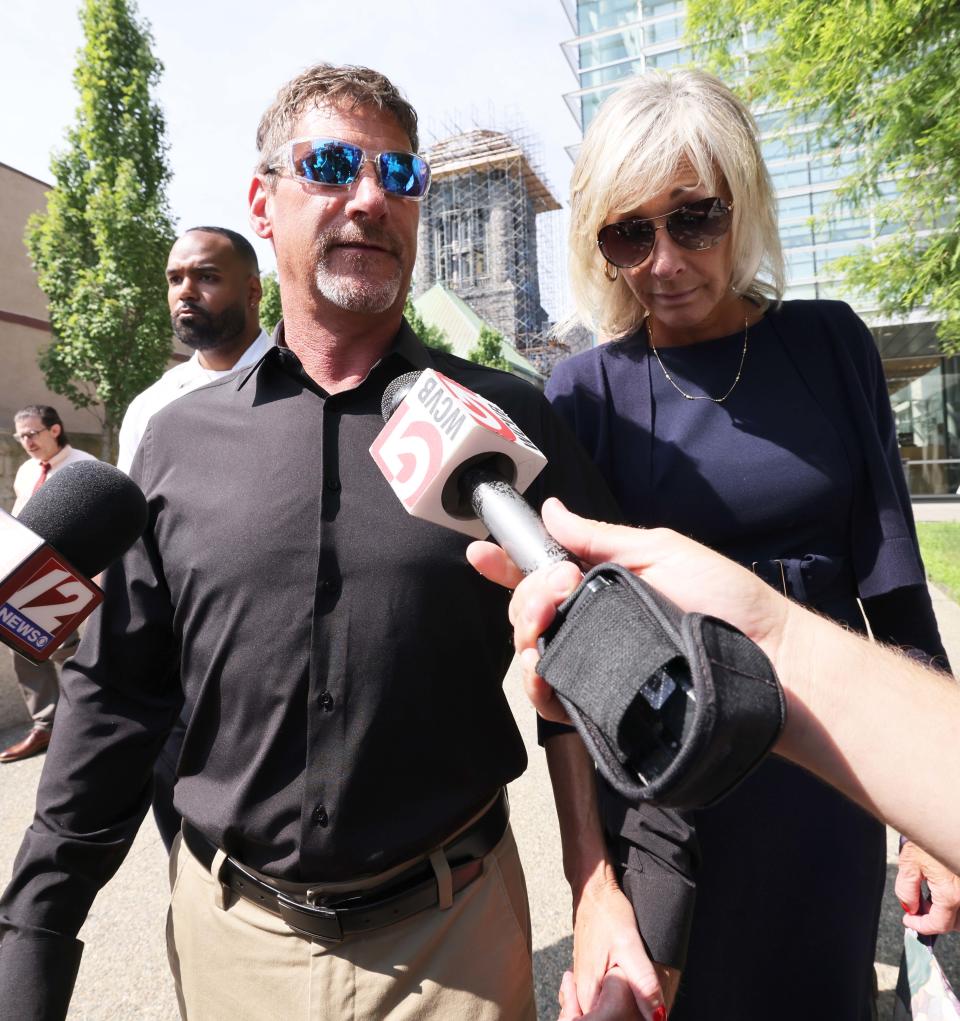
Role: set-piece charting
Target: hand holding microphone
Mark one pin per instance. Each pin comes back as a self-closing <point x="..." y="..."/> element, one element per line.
<point x="85" y="517"/>
<point x="674" y="707"/>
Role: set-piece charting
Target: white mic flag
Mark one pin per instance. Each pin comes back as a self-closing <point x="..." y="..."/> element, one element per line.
<point x="439" y="429"/>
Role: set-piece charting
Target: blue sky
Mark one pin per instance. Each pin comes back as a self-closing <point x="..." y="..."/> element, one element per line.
<point x="458" y="62"/>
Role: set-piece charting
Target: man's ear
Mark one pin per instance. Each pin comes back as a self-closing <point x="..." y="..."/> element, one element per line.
<point x="259" y="202"/>
<point x="55" y="430"/>
<point x="254" y="291"/>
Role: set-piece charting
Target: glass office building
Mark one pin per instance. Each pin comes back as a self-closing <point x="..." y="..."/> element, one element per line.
<point x="617" y="38"/>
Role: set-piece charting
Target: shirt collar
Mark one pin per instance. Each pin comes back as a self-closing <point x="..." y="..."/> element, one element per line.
<point x="405" y="345"/>
<point x="61" y="455"/>
<point x="251" y="355"/>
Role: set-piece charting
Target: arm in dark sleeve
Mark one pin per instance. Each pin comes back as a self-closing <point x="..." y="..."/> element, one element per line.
<point x="575" y="479"/>
<point x="656" y="855"/>
<point x="120" y="695"/>
<point x="904" y="616"/>
<point x="654" y="850"/>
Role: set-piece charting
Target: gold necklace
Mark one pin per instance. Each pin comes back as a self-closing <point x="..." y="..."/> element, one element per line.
<point x="702" y="397"/>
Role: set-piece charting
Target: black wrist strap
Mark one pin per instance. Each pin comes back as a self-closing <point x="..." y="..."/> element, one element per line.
<point x="674" y="707"/>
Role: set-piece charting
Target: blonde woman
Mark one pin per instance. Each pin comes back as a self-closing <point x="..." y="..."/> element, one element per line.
<point x="763" y="429"/>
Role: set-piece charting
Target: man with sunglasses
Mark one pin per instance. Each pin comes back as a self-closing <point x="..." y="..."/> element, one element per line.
<point x="39" y="428"/>
<point x="345" y="850"/>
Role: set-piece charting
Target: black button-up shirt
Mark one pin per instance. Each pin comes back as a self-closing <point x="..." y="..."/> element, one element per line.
<point x="340" y="662"/>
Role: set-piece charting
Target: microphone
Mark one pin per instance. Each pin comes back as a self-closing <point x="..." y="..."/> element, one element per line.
<point x="82" y="519"/>
<point x="674" y="708"/>
<point x="457" y="459"/>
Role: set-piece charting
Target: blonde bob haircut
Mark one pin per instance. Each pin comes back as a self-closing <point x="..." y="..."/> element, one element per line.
<point x="633" y="150"/>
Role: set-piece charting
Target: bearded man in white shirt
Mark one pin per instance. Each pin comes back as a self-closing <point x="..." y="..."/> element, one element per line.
<point x="40" y="431"/>
<point x="213" y="290"/>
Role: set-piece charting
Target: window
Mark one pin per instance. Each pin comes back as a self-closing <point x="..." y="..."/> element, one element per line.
<point x="663" y="31"/>
<point x="672" y="58"/>
<point x="596" y="15"/>
<point x="609" y="49"/>
<point x="610" y="74"/>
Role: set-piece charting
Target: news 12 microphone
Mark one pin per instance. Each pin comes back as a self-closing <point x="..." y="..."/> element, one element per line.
<point x="82" y="519"/>
<point x="455" y="458"/>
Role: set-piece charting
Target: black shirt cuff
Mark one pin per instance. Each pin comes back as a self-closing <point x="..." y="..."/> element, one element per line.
<point x="38" y="970"/>
<point x="662" y="901"/>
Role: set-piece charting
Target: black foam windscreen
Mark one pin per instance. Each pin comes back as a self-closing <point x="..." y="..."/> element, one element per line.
<point x="395" y="392"/>
<point x="88" y="511"/>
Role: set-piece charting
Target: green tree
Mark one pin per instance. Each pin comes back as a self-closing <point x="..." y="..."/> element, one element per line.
<point x="101" y="246"/>
<point x="432" y="336"/>
<point x="880" y="78"/>
<point x="271" y="311"/>
<point x="489" y="350"/>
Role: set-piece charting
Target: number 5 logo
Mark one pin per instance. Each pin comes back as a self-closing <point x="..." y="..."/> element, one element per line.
<point x="409" y="454"/>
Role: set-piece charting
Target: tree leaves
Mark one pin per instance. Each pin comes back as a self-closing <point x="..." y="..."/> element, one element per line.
<point x="489" y="350"/>
<point x="432" y="336"/>
<point x="881" y="72"/>
<point x="271" y="311"/>
<point x="101" y="246"/>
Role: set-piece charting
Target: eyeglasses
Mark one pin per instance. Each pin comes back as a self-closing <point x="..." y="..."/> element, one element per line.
<point x="337" y="164"/>
<point x="695" y="226"/>
<point x="29" y="434"/>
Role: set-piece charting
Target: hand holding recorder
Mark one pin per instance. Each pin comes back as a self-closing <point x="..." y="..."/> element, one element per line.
<point x="856" y="712"/>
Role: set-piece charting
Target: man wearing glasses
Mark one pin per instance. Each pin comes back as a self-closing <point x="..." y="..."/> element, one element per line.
<point x="345" y="850"/>
<point x="39" y="429"/>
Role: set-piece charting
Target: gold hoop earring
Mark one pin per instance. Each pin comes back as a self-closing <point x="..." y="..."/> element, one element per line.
<point x="606" y="271"/>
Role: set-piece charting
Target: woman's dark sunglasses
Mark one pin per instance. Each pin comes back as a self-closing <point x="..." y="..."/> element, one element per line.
<point x="695" y="226"/>
<point x="337" y="164"/>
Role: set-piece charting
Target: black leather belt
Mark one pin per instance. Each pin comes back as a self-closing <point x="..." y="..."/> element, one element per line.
<point x="342" y="914"/>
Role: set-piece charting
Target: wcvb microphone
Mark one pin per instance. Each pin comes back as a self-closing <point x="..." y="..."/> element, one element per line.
<point x="675" y="708"/>
<point x="79" y="522"/>
<point x="455" y="458"/>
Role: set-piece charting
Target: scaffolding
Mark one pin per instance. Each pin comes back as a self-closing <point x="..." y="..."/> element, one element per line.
<point x="480" y="226"/>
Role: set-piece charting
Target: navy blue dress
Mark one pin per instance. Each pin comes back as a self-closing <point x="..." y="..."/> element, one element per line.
<point x="789" y="874"/>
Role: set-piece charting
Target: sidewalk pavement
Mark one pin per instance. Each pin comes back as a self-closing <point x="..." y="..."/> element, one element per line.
<point x="124" y="974"/>
<point x="937" y="510"/>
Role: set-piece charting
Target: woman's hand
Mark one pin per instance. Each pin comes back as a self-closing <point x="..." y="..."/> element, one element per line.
<point x="942" y="912"/>
<point x="615" y="1003"/>
<point x="607" y="947"/>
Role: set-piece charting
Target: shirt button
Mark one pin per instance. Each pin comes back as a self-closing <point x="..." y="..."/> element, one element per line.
<point x="330" y="585"/>
<point x="326" y="701"/>
<point x="333" y="485"/>
<point x="319" y="816"/>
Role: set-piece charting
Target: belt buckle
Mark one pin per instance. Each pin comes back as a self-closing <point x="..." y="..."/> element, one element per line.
<point x="326" y="921"/>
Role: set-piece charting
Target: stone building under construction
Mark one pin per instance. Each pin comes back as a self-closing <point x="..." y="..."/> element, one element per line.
<point x="478" y="234"/>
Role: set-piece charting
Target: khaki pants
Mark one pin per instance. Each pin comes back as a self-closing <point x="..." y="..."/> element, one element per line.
<point x="40" y="684"/>
<point x="238" y="962"/>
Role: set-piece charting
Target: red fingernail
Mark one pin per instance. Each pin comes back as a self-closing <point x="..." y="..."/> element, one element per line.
<point x="660" y="1014"/>
<point x="906" y="907"/>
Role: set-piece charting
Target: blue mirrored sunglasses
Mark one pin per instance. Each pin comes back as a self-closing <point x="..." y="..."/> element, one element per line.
<point x="337" y="164"/>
